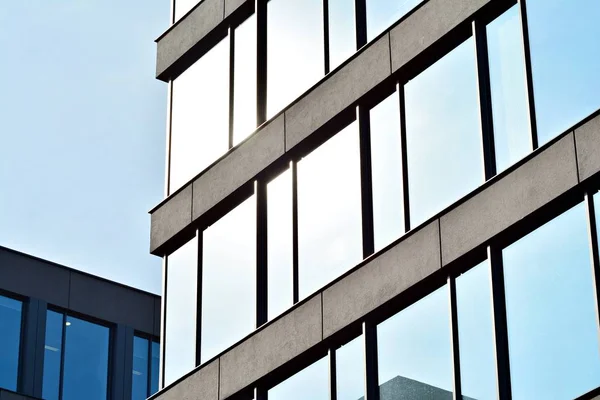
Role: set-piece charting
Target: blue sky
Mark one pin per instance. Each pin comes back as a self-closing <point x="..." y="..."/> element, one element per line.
<point x="83" y="133"/>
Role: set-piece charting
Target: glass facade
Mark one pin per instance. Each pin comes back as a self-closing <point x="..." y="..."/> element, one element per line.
<point x="342" y="31"/>
<point x="310" y="383"/>
<point x="350" y="371"/>
<point x="381" y="14"/>
<point x="53" y="355"/>
<point x="10" y="337"/>
<point x="144" y="381"/>
<point x="244" y="87"/>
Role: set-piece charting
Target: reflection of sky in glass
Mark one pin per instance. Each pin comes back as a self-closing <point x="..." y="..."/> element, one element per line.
<point x="386" y="162"/>
<point x="565" y="58"/>
<point x="551" y="314"/>
<point x="350" y="370"/>
<point x="512" y="137"/>
<point x="381" y="14"/>
<point x="200" y="115"/>
<point x="279" y="231"/>
<point x="229" y="279"/>
<point x="244" y="97"/>
<point x="183" y="6"/>
<point x="295" y="50"/>
<point x="443" y="133"/>
<point x="139" y="383"/>
<point x="475" y="333"/>
<point x="342" y="33"/>
<point x="180" y="329"/>
<point x="52" y="355"/>
<point x="10" y="334"/>
<point x="310" y="383"/>
<point x="329" y="211"/>
<point x="154" y="367"/>
<point x="415" y="344"/>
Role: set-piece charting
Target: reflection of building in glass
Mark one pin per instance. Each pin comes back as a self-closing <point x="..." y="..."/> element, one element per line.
<point x="409" y="389"/>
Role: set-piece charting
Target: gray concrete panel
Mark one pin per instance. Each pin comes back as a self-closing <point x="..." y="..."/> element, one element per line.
<point x="271" y="347"/>
<point x="238" y="167"/>
<point x="427" y="25"/>
<point x="382" y="279"/>
<point x="233" y="5"/>
<point x="338" y="92"/>
<point x="587" y="140"/>
<point x="201" y="385"/>
<point x="171" y="217"/>
<point x="187" y="32"/>
<point x="508" y="200"/>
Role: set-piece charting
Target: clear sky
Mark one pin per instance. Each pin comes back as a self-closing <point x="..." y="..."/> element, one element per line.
<point x="82" y="133"/>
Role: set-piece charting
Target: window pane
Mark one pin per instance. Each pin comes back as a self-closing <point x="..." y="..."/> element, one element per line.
<point x="244" y="117"/>
<point x="414" y="350"/>
<point x="139" y="388"/>
<point x="154" y="368"/>
<point x="200" y="115"/>
<point x="551" y="313"/>
<point x="310" y="383"/>
<point x="350" y="370"/>
<point x="280" y="231"/>
<point x="342" y="33"/>
<point x="476" y="334"/>
<point x="565" y="59"/>
<point x="512" y="137"/>
<point x="180" y="328"/>
<point x="442" y="132"/>
<point x="183" y="6"/>
<point x="292" y="69"/>
<point x="381" y="14"/>
<point x="329" y="211"/>
<point x="386" y="163"/>
<point x="52" y="355"/>
<point x="229" y="279"/>
<point x="10" y="337"/>
<point x="86" y="360"/>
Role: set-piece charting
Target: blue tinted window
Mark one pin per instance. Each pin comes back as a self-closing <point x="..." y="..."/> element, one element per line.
<point x="310" y="383"/>
<point x="154" y="367"/>
<point x="551" y="311"/>
<point x="381" y="14"/>
<point x="140" y="373"/>
<point x="52" y="355"/>
<point x="10" y="337"/>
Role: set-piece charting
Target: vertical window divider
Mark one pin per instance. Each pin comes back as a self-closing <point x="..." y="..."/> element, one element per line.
<point x="485" y="98"/>
<point x="62" y="356"/>
<point x="457" y="389"/>
<point x="360" y="19"/>
<point x="366" y="175"/>
<point x="371" y="368"/>
<point x="295" y="259"/>
<point x="148" y="367"/>
<point x="260" y="394"/>
<point x="528" y="73"/>
<point x="199" y="234"/>
<point x="593" y="237"/>
<point x="260" y="8"/>
<point x="326" y="35"/>
<point x="332" y="374"/>
<point x="163" y="325"/>
<point x="404" y="155"/>
<point x="231" y="84"/>
<point x="499" y="322"/>
<point x="261" y="253"/>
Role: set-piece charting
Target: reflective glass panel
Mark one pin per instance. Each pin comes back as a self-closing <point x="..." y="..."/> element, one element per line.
<point x="199" y="115"/>
<point x="381" y="14"/>
<point x="52" y="355"/>
<point x="229" y="279"/>
<point x="180" y="317"/>
<point x="183" y="6"/>
<point x="140" y="376"/>
<point x="350" y="370"/>
<point x="85" y="373"/>
<point x="292" y="69"/>
<point x="512" y="136"/>
<point x="565" y="60"/>
<point x="414" y="349"/>
<point x="443" y="134"/>
<point x="244" y="88"/>
<point x="386" y="164"/>
<point x="310" y="383"/>
<point x="10" y="337"/>
<point x="154" y="367"/>
<point x="476" y="334"/>
<point x="551" y="311"/>
<point x="342" y="33"/>
<point x="280" y="237"/>
<point x="329" y="211"/>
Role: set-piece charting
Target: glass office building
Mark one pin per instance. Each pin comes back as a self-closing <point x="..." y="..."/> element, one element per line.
<point x="380" y="199"/>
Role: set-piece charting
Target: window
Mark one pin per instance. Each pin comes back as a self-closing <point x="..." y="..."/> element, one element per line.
<point x="310" y="383"/>
<point x="342" y="33"/>
<point x="77" y="350"/>
<point x="182" y="7"/>
<point x="381" y="14"/>
<point x="229" y="279"/>
<point x="145" y="368"/>
<point x="414" y="350"/>
<point x="244" y="95"/>
<point x="350" y="370"/>
<point x="443" y="134"/>
<point x="10" y="337"/>
<point x="329" y="211"/>
<point x="551" y="311"/>
<point x="180" y="315"/>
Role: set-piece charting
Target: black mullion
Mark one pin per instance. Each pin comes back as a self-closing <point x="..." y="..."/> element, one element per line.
<point x="260" y="394"/>
<point x="326" y="35"/>
<point x="528" y="74"/>
<point x="454" y="336"/>
<point x="360" y="19"/>
<point x="593" y="235"/>
<point x="404" y="156"/>
<point x="485" y="98"/>
<point x="332" y="374"/>
<point x="295" y="259"/>
<point x="62" y="356"/>
<point x="366" y="179"/>
<point x="261" y="254"/>
<point x="261" y="61"/>
<point x="199" y="235"/>
<point x="231" y="84"/>
<point x="499" y="321"/>
<point x="371" y="367"/>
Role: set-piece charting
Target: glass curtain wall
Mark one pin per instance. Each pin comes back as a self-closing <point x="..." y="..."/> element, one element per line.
<point x="11" y="311"/>
<point x="144" y="381"/>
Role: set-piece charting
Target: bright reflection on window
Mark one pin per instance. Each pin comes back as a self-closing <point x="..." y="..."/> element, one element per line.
<point x="183" y="6"/>
<point x="10" y="337"/>
<point x="350" y="370"/>
<point x="244" y="96"/>
<point x="310" y="383"/>
<point x="342" y="33"/>
<point x="381" y="14"/>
